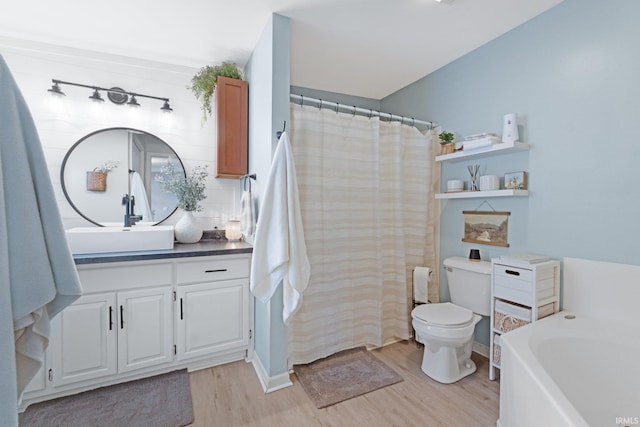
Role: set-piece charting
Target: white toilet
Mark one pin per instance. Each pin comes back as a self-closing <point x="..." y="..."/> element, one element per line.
<point x="446" y="329"/>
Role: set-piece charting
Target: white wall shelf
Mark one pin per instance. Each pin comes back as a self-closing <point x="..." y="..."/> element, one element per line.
<point x="482" y="194"/>
<point x="491" y="150"/>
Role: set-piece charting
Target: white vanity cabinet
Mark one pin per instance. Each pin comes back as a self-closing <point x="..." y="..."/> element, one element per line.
<point x="106" y="333"/>
<point x="83" y="341"/>
<point x="141" y="318"/>
<point x="213" y="318"/>
<point x="213" y="306"/>
<point x="145" y="331"/>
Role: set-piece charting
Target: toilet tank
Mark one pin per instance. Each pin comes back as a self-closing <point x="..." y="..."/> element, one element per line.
<point x="469" y="284"/>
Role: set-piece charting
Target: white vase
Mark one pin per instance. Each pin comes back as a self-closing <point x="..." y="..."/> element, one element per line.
<point x="187" y="229"/>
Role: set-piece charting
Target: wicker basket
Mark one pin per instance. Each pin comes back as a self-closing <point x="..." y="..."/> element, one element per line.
<point x="96" y="181"/>
<point x="497" y="353"/>
<point x="508" y="316"/>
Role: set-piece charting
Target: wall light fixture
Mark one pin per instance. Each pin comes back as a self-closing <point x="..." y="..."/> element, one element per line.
<point x="115" y="94"/>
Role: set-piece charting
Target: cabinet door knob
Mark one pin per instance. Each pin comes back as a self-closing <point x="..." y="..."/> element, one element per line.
<point x="220" y="270"/>
<point x="181" y="310"/>
<point x="121" y="317"/>
<point x="110" y="318"/>
<point x="513" y="273"/>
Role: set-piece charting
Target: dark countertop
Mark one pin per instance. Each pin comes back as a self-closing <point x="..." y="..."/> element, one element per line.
<point x="180" y="250"/>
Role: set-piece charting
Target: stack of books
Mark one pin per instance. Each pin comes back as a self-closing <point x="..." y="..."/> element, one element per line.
<point x="473" y="142"/>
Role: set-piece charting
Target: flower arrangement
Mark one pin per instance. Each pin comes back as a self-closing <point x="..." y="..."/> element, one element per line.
<point x="107" y="166"/>
<point x="188" y="190"/>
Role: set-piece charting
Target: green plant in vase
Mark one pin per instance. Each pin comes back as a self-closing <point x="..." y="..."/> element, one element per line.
<point x="446" y="142"/>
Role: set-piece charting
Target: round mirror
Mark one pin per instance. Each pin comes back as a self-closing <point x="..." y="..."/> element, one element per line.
<point x="108" y="164"/>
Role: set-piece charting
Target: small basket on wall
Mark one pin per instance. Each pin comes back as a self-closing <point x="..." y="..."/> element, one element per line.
<point x="97" y="178"/>
<point x="96" y="181"/>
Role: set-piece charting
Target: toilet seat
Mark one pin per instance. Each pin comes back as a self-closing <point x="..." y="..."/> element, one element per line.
<point x="443" y="315"/>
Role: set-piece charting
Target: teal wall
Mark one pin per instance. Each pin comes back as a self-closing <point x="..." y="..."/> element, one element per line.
<point x="267" y="72"/>
<point x="571" y="76"/>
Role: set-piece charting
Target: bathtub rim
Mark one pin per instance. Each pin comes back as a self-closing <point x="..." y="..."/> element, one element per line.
<point x="515" y="341"/>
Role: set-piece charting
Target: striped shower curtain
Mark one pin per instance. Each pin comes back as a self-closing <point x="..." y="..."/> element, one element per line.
<point x="367" y="199"/>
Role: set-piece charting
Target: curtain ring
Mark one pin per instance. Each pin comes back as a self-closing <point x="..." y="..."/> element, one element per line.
<point x="337" y="107"/>
<point x="301" y="100"/>
<point x="370" y="113"/>
<point x="354" y="111"/>
<point x="413" y="122"/>
<point x="320" y="104"/>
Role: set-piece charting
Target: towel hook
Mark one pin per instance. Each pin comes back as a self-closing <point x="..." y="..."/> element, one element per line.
<point x="247" y="180"/>
<point x="280" y="132"/>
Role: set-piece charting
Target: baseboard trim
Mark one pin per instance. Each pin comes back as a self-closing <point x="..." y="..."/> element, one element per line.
<point x="269" y="384"/>
<point x="481" y="349"/>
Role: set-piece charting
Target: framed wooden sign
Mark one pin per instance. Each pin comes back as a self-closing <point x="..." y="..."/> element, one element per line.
<point x="486" y="228"/>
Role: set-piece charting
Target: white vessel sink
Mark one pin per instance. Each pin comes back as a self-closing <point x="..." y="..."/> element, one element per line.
<point x="91" y="240"/>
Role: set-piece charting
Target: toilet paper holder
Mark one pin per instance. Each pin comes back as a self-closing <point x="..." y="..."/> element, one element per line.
<point x="420" y="291"/>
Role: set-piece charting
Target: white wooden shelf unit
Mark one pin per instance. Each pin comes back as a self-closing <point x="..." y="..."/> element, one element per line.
<point x="492" y="150"/>
<point x="521" y="293"/>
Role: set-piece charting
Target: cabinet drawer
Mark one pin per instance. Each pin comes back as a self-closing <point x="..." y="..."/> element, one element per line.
<point x="513" y="272"/>
<point x="124" y="276"/>
<point x="515" y="290"/>
<point x="212" y="270"/>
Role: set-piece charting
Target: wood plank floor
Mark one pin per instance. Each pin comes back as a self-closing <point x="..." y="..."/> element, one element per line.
<point x="230" y="395"/>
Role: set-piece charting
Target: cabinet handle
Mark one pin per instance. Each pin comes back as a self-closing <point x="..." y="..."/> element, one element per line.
<point x="220" y="270"/>
<point x="181" y="310"/>
<point x="121" y="317"/>
<point x="110" y="318"/>
<point x="513" y="273"/>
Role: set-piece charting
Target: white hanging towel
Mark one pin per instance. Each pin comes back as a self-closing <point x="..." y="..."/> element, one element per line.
<point x="279" y="249"/>
<point x="142" y="202"/>
<point x="38" y="277"/>
<point x="247" y="210"/>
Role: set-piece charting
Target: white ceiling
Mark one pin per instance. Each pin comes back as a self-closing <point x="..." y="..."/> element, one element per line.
<point x="367" y="48"/>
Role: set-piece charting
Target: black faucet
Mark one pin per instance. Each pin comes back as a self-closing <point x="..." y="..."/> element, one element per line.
<point x="130" y="218"/>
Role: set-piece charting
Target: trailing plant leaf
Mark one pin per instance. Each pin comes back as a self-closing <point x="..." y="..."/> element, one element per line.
<point x="203" y="84"/>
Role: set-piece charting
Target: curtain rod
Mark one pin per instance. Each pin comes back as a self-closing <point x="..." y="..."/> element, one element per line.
<point x="301" y="99"/>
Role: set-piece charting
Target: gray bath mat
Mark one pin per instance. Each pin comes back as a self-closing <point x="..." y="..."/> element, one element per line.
<point x="160" y="401"/>
<point x="344" y="375"/>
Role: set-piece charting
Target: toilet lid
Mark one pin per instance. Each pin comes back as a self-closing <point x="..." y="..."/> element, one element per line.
<point x="443" y="314"/>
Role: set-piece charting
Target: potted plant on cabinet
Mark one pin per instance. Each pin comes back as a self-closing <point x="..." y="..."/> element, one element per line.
<point x="446" y="143"/>
<point x="203" y="84"/>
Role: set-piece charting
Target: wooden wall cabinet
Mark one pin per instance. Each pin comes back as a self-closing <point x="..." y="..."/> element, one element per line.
<point x="232" y="117"/>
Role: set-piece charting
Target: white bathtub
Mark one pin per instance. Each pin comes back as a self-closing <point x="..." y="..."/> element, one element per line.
<point x="570" y="372"/>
